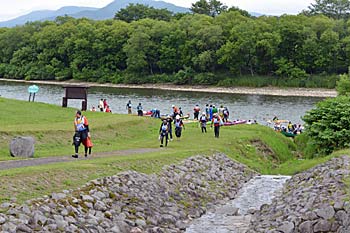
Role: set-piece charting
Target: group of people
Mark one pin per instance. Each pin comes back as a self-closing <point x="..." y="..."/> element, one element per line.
<point x="102" y="106"/>
<point x="290" y="128"/>
<point x="211" y="115"/>
<point x="165" y="130"/>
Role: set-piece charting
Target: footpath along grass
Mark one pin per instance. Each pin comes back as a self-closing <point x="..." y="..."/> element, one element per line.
<point x="259" y="147"/>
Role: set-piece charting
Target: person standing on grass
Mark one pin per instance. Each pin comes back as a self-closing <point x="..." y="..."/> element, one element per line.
<point x="178" y="126"/>
<point x="100" y="105"/>
<point x="163" y="133"/>
<point x="196" y="111"/>
<point x="82" y="134"/>
<point x="128" y="107"/>
<point x="139" y="110"/>
<point x="203" y="121"/>
<point x="217" y="123"/>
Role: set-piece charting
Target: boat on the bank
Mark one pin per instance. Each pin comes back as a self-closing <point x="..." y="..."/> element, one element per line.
<point x="288" y="134"/>
<point x="237" y="122"/>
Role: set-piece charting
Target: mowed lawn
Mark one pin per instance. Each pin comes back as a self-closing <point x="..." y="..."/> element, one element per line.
<point x="259" y="147"/>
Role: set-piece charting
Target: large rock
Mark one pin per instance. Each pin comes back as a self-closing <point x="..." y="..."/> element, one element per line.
<point x="22" y="147"/>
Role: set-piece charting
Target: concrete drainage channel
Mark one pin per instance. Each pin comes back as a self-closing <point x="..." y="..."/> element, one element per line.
<point x="235" y="216"/>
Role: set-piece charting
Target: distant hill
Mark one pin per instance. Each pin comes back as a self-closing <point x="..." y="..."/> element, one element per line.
<point x="44" y="14"/>
<point x="106" y="12"/>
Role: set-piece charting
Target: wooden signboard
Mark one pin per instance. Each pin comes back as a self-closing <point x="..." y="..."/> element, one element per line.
<point x="75" y="92"/>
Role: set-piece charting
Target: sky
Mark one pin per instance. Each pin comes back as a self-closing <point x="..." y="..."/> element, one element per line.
<point x="14" y="8"/>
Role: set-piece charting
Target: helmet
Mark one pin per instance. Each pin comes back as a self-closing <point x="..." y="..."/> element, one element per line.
<point x="203" y="113"/>
<point x="172" y="106"/>
<point x="177" y="117"/>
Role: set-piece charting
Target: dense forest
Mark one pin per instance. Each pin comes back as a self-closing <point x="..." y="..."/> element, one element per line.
<point x="210" y="45"/>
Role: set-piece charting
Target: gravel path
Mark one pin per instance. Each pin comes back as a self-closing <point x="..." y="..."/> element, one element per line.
<point x="234" y="216"/>
<point x="58" y="159"/>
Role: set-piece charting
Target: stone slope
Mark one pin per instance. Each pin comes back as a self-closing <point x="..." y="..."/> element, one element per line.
<point x="133" y="201"/>
<point x="313" y="201"/>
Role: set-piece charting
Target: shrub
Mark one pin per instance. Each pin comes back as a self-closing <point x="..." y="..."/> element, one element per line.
<point x="328" y="125"/>
<point x="343" y="85"/>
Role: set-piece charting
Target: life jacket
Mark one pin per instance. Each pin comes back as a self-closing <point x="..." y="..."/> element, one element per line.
<point x="164" y="128"/>
<point x="139" y="107"/>
<point x="178" y="123"/>
<point x="225" y="112"/>
<point x="80" y="123"/>
<point x="196" y="109"/>
<point x="216" y="121"/>
<point x="203" y="119"/>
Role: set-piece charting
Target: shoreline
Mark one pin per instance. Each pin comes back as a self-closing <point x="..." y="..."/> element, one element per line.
<point x="272" y="91"/>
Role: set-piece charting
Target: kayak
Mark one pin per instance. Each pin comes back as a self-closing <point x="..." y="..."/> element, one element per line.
<point x="147" y="113"/>
<point x="238" y="122"/>
<point x="281" y="121"/>
<point x="287" y="134"/>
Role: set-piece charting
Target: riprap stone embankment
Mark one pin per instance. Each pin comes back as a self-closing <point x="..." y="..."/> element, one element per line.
<point x="166" y="202"/>
<point x="316" y="200"/>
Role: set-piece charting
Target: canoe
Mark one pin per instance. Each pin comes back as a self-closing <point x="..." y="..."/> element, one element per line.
<point x="287" y="134"/>
<point x="238" y="122"/>
<point x="281" y="121"/>
<point x="147" y="113"/>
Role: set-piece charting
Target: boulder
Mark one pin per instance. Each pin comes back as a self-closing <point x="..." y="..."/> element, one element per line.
<point x="22" y="147"/>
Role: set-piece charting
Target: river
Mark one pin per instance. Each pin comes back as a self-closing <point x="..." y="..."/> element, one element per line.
<point x="257" y="107"/>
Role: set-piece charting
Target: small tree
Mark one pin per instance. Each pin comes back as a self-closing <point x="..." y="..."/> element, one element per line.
<point x="343" y="85"/>
<point x="328" y="125"/>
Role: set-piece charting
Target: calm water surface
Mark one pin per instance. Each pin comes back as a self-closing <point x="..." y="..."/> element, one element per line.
<point x="257" y="107"/>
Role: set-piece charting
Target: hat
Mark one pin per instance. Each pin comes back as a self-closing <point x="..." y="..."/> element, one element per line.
<point x="177" y="117"/>
<point x="203" y="113"/>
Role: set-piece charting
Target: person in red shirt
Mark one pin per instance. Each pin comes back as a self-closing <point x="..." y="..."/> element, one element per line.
<point x="196" y="111"/>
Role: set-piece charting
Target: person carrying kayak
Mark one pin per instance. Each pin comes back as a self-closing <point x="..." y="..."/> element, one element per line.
<point x="178" y="127"/>
<point x="217" y="122"/>
<point x="203" y="121"/>
<point x="82" y="134"/>
<point x="196" y="111"/>
<point x="163" y="133"/>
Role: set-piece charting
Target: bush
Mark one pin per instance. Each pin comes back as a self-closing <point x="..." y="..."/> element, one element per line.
<point x="343" y="85"/>
<point x="204" y="79"/>
<point x="328" y="125"/>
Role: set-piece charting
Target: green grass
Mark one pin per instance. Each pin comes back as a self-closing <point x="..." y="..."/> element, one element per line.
<point x="258" y="147"/>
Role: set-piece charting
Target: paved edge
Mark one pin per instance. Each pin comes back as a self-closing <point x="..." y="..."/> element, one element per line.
<point x="5" y="165"/>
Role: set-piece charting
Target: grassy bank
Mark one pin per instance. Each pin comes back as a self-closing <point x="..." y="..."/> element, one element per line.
<point x="257" y="146"/>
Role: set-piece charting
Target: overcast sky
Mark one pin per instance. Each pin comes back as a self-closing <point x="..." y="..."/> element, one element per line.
<point x="13" y="8"/>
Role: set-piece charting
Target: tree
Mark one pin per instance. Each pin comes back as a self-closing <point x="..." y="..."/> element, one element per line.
<point x="136" y="12"/>
<point x="337" y="9"/>
<point x="208" y="7"/>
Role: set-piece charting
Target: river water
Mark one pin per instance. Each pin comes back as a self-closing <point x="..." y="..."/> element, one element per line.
<point x="234" y="216"/>
<point x="257" y="107"/>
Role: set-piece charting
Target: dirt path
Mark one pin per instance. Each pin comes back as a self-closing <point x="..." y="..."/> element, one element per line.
<point x="58" y="159"/>
<point x="311" y="92"/>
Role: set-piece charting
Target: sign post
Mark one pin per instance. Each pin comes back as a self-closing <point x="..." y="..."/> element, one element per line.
<point x="32" y="90"/>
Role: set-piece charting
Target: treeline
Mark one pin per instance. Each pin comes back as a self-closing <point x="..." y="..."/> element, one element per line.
<point x="183" y="49"/>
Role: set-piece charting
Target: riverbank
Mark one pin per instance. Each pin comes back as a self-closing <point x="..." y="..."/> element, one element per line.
<point x="274" y="91"/>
